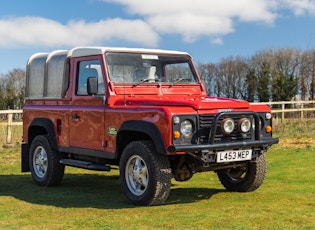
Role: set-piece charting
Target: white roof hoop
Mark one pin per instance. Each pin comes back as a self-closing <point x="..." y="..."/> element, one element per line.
<point x="96" y="50"/>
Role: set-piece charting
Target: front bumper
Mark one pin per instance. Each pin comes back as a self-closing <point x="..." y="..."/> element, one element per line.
<point x="224" y="146"/>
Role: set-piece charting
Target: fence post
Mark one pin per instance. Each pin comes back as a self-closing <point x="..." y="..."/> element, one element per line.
<point x="283" y="107"/>
<point x="302" y="112"/>
<point x="9" y="128"/>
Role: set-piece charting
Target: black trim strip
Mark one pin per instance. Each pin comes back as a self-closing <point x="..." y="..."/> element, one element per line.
<point x="88" y="152"/>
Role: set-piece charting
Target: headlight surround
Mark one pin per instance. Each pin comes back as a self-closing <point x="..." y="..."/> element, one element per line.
<point x="186" y="128"/>
<point x="228" y="125"/>
<point x="245" y="125"/>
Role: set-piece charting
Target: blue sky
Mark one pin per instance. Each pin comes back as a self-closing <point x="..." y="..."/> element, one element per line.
<point x="208" y="29"/>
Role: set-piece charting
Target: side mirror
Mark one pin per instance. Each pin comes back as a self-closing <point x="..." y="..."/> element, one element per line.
<point x="92" y="85"/>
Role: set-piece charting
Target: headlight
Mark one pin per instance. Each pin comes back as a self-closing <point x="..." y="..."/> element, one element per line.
<point x="228" y="125"/>
<point x="245" y="125"/>
<point x="186" y="128"/>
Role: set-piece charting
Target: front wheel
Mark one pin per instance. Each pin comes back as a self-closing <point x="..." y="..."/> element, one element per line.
<point x="244" y="178"/>
<point x="44" y="162"/>
<point x="145" y="175"/>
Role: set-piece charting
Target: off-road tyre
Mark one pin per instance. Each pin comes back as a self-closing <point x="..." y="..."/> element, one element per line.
<point x="244" y="179"/>
<point x="44" y="162"/>
<point x="145" y="175"/>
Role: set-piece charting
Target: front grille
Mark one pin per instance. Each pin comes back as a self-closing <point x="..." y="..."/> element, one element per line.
<point x="205" y="125"/>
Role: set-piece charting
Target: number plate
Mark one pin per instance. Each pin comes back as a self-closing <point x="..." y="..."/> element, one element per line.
<point x="234" y="155"/>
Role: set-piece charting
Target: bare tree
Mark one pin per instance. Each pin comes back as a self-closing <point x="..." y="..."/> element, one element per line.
<point x="230" y="77"/>
<point x="207" y="74"/>
<point x="305" y="74"/>
<point x="12" y="87"/>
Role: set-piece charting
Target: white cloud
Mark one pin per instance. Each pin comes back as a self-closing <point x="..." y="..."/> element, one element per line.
<point x="300" y="7"/>
<point x="217" y="41"/>
<point x="196" y="18"/>
<point x="250" y="10"/>
<point x="190" y="19"/>
<point x="28" y="31"/>
<point x="214" y="19"/>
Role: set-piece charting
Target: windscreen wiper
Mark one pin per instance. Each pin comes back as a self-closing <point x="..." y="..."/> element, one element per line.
<point x="179" y="80"/>
<point x="146" y="80"/>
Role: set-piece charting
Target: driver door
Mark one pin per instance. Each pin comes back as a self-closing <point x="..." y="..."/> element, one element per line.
<point x="87" y="116"/>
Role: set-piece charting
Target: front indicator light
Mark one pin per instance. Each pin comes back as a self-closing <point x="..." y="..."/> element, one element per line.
<point x="176" y="134"/>
<point x="268" y="129"/>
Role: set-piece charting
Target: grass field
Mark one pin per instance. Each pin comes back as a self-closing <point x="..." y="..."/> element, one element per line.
<point x="93" y="200"/>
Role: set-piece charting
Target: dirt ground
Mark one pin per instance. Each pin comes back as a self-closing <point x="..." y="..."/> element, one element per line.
<point x="297" y="142"/>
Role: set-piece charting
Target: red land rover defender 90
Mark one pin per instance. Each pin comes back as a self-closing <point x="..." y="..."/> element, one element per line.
<point x="144" y="110"/>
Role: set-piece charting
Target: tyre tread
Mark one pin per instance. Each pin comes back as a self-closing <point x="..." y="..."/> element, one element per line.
<point x="55" y="170"/>
<point x="159" y="191"/>
<point x="255" y="175"/>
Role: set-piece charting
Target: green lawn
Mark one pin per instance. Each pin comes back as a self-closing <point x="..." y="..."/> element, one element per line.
<point x="94" y="200"/>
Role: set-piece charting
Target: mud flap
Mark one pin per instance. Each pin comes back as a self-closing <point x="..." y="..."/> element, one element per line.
<point x="25" y="150"/>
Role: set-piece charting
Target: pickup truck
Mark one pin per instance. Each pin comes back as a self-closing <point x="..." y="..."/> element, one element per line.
<point x="143" y="110"/>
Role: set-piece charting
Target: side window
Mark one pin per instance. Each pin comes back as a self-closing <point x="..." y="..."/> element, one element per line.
<point x="91" y="68"/>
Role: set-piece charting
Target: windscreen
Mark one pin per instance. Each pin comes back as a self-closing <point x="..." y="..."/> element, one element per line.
<point x="150" y="68"/>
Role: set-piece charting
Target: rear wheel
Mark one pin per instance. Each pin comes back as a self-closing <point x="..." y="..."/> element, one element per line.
<point x="44" y="163"/>
<point x="145" y="175"/>
<point x="244" y="178"/>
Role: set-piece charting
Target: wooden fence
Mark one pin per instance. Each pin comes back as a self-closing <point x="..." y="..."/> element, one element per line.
<point x="290" y="107"/>
<point x="10" y="124"/>
<point x="284" y="107"/>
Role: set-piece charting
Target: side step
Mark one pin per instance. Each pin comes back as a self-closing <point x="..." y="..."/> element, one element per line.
<point x="84" y="165"/>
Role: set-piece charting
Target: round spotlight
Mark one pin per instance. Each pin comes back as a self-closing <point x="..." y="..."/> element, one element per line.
<point x="245" y="125"/>
<point x="228" y="125"/>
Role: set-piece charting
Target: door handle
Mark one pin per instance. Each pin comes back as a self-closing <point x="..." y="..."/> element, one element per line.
<point x="75" y="117"/>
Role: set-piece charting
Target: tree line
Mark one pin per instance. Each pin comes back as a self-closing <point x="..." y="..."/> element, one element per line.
<point x="269" y="75"/>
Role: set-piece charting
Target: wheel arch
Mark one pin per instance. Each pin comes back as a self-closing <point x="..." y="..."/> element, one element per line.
<point x="42" y="126"/>
<point x="39" y="126"/>
<point x="139" y="130"/>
